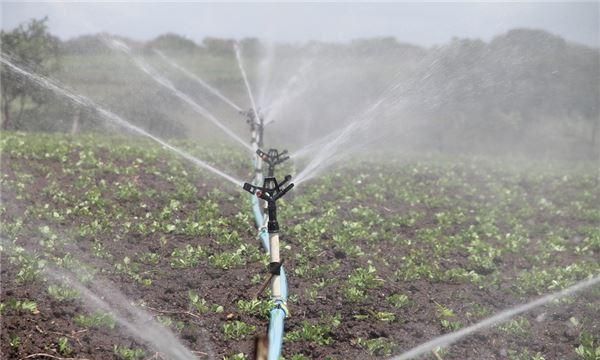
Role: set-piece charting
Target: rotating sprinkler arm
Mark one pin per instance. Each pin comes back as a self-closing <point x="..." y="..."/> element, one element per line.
<point x="272" y="158"/>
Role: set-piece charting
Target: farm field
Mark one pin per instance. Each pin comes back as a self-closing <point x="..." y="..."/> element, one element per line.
<point x="381" y="255"/>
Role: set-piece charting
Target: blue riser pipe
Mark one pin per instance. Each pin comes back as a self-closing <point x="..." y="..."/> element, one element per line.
<point x="276" y="333"/>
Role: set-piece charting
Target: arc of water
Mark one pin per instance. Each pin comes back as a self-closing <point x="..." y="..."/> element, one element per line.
<point x="238" y="56"/>
<point x="114" y="118"/>
<point x="196" y="78"/>
<point x="286" y="93"/>
<point x="136" y="321"/>
<point x="145" y="67"/>
<point x="497" y="319"/>
<point x="328" y="152"/>
<point x="264" y="72"/>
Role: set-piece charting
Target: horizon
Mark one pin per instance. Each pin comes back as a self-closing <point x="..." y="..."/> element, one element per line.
<point x="421" y="24"/>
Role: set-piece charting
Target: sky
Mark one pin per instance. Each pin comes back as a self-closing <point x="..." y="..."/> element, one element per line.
<point x="421" y="23"/>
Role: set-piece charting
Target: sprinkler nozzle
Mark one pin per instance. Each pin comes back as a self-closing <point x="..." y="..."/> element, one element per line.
<point x="273" y="158"/>
<point x="270" y="192"/>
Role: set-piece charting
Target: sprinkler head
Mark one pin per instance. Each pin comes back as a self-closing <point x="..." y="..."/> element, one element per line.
<point x="256" y="122"/>
<point x="273" y="158"/>
<point x="271" y="189"/>
<point x="270" y="192"/>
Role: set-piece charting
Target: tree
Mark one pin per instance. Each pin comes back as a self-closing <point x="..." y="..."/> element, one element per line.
<point x="29" y="46"/>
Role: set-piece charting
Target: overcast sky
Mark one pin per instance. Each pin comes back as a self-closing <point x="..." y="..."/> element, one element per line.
<point x="420" y="23"/>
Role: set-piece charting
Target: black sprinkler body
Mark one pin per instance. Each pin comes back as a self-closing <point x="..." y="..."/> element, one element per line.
<point x="270" y="192"/>
<point x="272" y="158"/>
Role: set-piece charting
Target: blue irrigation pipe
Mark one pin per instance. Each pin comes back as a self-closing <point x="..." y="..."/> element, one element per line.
<point x="279" y="311"/>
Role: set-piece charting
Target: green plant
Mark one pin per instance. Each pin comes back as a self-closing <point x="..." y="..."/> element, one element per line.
<point x="20" y="305"/>
<point x="14" y="341"/>
<point x="398" y="300"/>
<point x="96" y="320"/>
<point x="445" y="314"/>
<point x="126" y="353"/>
<point x="237" y="258"/>
<point x="187" y="257"/>
<point x="64" y="348"/>
<point x="299" y="357"/>
<point x="589" y="347"/>
<point x="62" y="292"/>
<point x="518" y="327"/>
<point x="363" y="278"/>
<point x="237" y="330"/>
<point x="238" y="356"/>
<point x="255" y="307"/>
<point x="377" y="347"/>
<point x="169" y="322"/>
<point x="317" y="333"/>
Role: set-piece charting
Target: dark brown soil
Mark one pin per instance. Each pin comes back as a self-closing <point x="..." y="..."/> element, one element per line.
<point x="551" y="331"/>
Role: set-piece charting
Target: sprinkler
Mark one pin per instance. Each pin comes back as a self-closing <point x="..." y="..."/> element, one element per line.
<point x="272" y="158"/>
<point x="270" y="192"/>
<point x="256" y="122"/>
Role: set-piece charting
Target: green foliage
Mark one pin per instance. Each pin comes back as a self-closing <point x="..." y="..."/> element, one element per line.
<point x="64" y="348"/>
<point x="22" y="306"/>
<point x="33" y="47"/>
<point x="589" y="347"/>
<point x="14" y="341"/>
<point x="187" y="257"/>
<point x="126" y="353"/>
<point x="255" y="307"/>
<point x="238" y="356"/>
<point x="377" y="346"/>
<point x="446" y="315"/>
<point x="519" y="327"/>
<point x="170" y="323"/>
<point x="398" y="300"/>
<point x="201" y="305"/>
<point x="62" y="292"/>
<point x="96" y="320"/>
<point x="315" y="333"/>
<point x="237" y="330"/>
<point x="237" y="258"/>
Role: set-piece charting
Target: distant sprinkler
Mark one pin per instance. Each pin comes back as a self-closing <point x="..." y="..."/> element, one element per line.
<point x="257" y="123"/>
<point x="272" y="158"/>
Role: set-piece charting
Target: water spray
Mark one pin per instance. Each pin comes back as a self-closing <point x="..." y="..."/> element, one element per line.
<point x="197" y="79"/>
<point x="112" y="117"/>
<point x="238" y="57"/>
<point x="270" y="192"/>
<point x="499" y="318"/>
<point x="166" y="83"/>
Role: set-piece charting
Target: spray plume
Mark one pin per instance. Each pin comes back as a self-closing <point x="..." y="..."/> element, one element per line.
<point x="238" y="56"/>
<point x="497" y="319"/>
<point x="112" y="117"/>
<point x="196" y="78"/>
<point x="145" y="67"/>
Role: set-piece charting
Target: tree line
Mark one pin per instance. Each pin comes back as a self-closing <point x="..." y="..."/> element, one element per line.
<point x="525" y="88"/>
